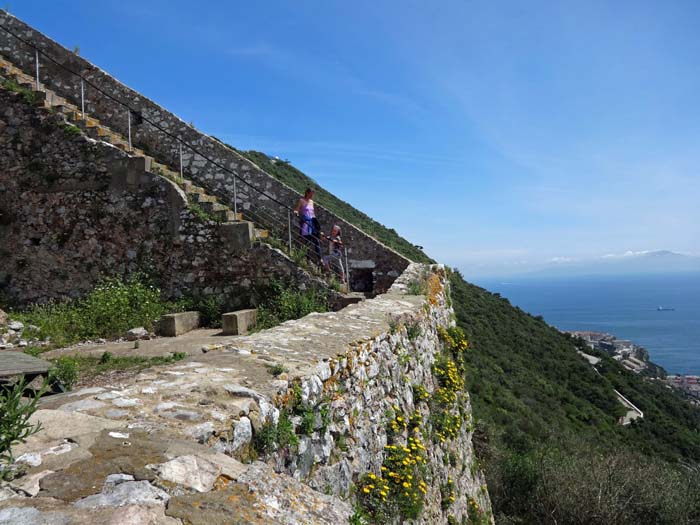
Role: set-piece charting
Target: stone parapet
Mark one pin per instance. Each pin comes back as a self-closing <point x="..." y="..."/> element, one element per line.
<point x="315" y="404"/>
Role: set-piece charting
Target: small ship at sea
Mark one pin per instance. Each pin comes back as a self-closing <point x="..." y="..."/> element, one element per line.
<point x="664" y="309"/>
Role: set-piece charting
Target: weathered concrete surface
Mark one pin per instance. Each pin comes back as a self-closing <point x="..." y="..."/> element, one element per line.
<point x="173" y="325"/>
<point x="238" y="323"/>
<point x="19" y="363"/>
<point x="196" y="342"/>
<point x="146" y="475"/>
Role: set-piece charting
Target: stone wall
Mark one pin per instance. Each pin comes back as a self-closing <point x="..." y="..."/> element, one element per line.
<point x="74" y="210"/>
<point x="373" y="265"/>
<point x="366" y="399"/>
<point x="309" y="440"/>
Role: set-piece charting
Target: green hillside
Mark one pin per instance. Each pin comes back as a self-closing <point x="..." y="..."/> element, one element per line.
<point x="289" y="175"/>
<point x="547" y="429"/>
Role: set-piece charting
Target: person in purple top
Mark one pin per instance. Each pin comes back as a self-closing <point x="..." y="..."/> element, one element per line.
<point x="308" y="224"/>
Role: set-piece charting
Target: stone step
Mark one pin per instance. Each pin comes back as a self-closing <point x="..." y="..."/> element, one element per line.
<point x="117" y="140"/>
<point x="228" y="216"/>
<point x="75" y="116"/>
<point x="165" y="171"/>
<point x="192" y="188"/>
<point x="53" y="98"/>
<point x="88" y="122"/>
<point x="98" y="132"/>
<point x="213" y="207"/>
<point x="64" y="109"/>
<point x="201" y="197"/>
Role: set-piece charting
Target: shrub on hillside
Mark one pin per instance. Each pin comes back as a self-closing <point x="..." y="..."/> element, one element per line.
<point x="575" y="482"/>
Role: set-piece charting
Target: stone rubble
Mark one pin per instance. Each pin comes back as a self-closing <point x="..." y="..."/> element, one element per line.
<point x="137" y="333"/>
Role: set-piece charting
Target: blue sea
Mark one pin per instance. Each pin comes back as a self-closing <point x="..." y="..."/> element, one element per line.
<point x="623" y="306"/>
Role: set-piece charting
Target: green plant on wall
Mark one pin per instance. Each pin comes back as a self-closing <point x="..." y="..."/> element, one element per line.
<point x="401" y="488"/>
<point x="199" y="212"/>
<point x="27" y="94"/>
<point x="65" y="371"/>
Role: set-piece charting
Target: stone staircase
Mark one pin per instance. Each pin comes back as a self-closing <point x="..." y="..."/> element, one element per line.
<point x="235" y="227"/>
<point x="93" y="128"/>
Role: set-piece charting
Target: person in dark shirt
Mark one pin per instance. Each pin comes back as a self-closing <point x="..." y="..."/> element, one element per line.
<point x="334" y="260"/>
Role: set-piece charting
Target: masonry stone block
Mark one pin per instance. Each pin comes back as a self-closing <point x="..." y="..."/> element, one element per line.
<point x="237" y="236"/>
<point x="238" y="323"/>
<point x="172" y="325"/>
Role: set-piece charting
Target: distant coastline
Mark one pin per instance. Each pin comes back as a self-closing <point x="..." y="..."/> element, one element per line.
<point x="636" y="359"/>
<point x="630" y="355"/>
<point x="625" y="307"/>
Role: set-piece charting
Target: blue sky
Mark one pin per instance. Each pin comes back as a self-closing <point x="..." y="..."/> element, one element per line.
<point x="498" y="135"/>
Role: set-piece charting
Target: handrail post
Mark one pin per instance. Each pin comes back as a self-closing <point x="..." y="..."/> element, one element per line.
<point x="82" y="97"/>
<point x="129" y="128"/>
<point x="36" y="60"/>
<point x="289" y="230"/>
<point x="347" y="270"/>
<point x="182" y="176"/>
<point x="235" y="198"/>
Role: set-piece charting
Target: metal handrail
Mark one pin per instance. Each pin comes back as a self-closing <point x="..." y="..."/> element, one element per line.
<point x="295" y="241"/>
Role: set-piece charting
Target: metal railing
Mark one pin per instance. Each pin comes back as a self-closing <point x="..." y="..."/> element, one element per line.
<point x="295" y="243"/>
